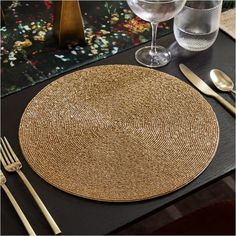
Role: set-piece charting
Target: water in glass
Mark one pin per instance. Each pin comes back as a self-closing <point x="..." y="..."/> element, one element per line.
<point x="197" y="25"/>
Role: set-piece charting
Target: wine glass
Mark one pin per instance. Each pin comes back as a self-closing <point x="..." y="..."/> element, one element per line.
<point x="155" y="11"/>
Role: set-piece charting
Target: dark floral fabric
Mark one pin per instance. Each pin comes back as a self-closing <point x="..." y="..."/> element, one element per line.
<point x="29" y="52"/>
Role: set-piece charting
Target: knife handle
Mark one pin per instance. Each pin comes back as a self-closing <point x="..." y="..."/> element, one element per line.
<point x="226" y="104"/>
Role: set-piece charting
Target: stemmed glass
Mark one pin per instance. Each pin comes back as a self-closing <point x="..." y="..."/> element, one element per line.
<point x="155" y="11"/>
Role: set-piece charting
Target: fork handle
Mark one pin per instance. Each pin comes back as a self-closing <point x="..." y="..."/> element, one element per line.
<point x="40" y="204"/>
<point x="19" y="211"/>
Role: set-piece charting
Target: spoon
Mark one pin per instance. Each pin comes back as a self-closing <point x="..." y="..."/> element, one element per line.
<point x="222" y="81"/>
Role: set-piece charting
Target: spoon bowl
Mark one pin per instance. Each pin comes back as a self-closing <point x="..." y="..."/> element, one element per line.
<point x="222" y="81"/>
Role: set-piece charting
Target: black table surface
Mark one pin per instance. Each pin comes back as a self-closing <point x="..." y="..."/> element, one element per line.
<point x="76" y="215"/>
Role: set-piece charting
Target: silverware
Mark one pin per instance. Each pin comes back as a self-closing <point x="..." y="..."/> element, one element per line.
<point x="204" y="88"/>
<point x="15" y="205"/>
<point x="222" y="81"/>
<point x="11" y="163"/>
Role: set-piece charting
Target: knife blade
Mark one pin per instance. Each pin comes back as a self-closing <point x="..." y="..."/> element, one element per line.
<point x="204" y="88"/>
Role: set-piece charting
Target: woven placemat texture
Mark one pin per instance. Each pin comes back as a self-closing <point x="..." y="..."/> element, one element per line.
<point x="227" y="23"/>
<point x="118" y="133"/>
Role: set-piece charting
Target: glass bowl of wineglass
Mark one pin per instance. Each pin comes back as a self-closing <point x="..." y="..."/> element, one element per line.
<point x="155" y="11"/>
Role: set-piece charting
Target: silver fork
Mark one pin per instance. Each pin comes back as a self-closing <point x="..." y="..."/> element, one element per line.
<point x="11" y="163"/>
<point x="15" y="205"/>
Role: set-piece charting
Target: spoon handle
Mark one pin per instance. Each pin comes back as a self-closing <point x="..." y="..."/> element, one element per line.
<point x="233" y="91"/>
<point x="226" y="104"/>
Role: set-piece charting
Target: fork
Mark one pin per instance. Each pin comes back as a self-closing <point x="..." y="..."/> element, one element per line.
<point x="15" y="205"/>
<point x="11" y="163"/>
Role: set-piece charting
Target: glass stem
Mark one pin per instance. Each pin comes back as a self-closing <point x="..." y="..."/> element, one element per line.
<point x="153" y="51"/>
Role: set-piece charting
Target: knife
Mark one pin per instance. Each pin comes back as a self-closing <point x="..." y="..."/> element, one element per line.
<point x="204" y="88"/>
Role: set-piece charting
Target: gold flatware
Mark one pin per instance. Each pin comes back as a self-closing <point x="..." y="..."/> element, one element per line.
<point x="15" y="205"/>
<point x="222" y="81"/>
<point x="204" y="88"/>
<point x="11" y="163"/>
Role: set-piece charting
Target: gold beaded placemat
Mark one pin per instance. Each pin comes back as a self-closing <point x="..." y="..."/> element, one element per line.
<point x="118" y="133"/>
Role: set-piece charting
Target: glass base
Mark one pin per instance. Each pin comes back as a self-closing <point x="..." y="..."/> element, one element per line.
<point x="145" y="57"/>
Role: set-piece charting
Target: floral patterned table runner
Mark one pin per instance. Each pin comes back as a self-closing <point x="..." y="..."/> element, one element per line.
<point x="29" y="52"/>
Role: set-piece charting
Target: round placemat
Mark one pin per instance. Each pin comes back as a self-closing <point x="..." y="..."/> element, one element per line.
<point x="118" y="133"/>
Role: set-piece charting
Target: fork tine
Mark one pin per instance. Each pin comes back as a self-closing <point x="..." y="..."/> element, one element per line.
<point x="4" y="156"/>
<point x="2" y="160"/>
<point x="6" y="152"/>
<point x="11" y="150"/>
